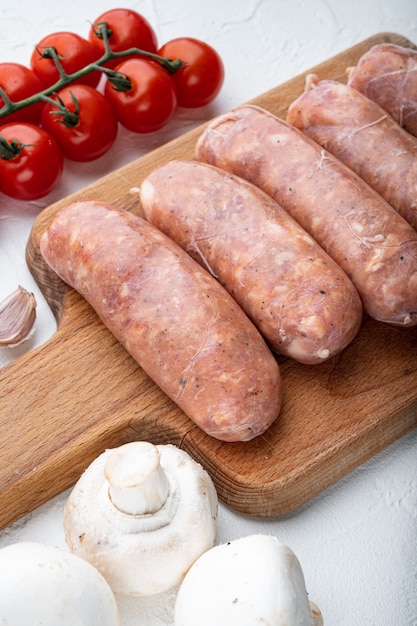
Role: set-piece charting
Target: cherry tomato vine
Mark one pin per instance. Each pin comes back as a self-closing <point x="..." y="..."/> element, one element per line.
<point x="55" y="108"/>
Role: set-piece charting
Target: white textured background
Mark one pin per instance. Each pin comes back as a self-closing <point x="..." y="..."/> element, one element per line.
<point x="357" y="541"/>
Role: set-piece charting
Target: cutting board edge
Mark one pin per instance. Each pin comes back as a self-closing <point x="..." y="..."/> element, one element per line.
<point x="285" y="494"/>
<point x="49" y="211"/>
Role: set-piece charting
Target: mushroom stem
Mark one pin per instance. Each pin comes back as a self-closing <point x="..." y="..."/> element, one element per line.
<point x="142" y="514"/>
<point x="138" y="484"/>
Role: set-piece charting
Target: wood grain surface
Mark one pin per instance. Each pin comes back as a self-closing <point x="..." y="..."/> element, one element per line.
<point x="65" y="402"/>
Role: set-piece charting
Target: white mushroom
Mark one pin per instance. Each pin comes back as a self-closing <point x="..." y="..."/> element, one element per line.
<point x="142" y="514"/>
<point x="42" y="584"/>
<point x="252" y="580"/>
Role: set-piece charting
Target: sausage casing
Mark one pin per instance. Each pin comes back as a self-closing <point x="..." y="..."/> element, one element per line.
<point x="387" y="74"/>
<point x="363" y="136"/>
<point x="171" y="315"/>
<point x="357" y="228"/>
<point x="300" y="299"/>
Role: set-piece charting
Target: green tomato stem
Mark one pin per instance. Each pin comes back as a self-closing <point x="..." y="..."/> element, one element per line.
<point x="10" y="149"/>
<point x="66" y="79"/>
<point x="68" y="118"/>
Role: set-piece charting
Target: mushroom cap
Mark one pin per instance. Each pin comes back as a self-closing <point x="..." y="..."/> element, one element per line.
<point x="45" y="585"/>
<point x="143" y="554"/>
<point x="252" y="580"/>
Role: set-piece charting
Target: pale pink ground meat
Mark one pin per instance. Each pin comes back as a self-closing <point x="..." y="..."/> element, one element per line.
<point x="364" y="137"/>
<point x="387" y="74"/>
<point x="299" y="298"/>
<point x="374" y="245"/>
<point x="176" y="320"/>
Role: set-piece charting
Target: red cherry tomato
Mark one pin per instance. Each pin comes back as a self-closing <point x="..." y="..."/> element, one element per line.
<point x="127" y="29"/>
<point x="87" y="127"/>
<point x="19" y="82"/>
<point x="37" y="166"/>
<point x="74" y="52"/>
<point x="150" y="102"/>
<point x="200" y="80"/>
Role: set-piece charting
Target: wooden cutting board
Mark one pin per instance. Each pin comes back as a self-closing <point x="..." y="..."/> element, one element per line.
<point x="65" y="402"/>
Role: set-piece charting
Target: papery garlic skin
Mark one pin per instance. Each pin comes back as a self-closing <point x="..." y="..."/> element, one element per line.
<point x="17" y="317"/>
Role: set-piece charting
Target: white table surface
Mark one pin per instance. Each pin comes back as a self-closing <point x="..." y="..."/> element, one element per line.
<point x="357" y="541"/>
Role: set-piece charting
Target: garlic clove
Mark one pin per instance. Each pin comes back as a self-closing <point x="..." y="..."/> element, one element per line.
<point x="317" y="616"/>
<point x="17" y="317"/>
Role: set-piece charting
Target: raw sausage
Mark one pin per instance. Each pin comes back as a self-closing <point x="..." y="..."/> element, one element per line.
<point x="387" y="74"/>
<point x="363" y="234"/>
<point x="299" y="298"/>
<point x="361" y="134"/>
<point x="177" y="321"/>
